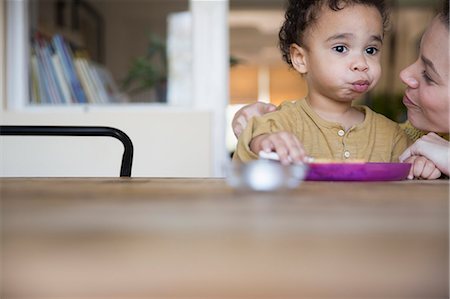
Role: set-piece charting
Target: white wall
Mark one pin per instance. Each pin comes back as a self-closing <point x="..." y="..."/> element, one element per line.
<point x="2" y="55"/>
<point x="210" y="69"/>
<point x="167" y="143"/>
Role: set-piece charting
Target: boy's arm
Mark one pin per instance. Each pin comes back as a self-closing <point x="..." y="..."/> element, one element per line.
<point x="243" y="152"/>
<point x="400" y="144"/>
<point x="433" y="147"/>
<point x="281" y="120"/>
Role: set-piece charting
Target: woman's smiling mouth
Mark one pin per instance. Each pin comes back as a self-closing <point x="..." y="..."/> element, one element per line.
<point x="408" y="103"/>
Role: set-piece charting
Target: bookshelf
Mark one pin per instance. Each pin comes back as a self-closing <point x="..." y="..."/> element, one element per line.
<point x="140" y="121"/>
<point x="62" y="75"/>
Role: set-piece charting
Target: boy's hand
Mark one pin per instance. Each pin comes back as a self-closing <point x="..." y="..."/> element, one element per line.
<point x="433" y="147"/>
<point x="422" y="168"/>
<point x="285" y="144"/>
<point x="243" y="115"/>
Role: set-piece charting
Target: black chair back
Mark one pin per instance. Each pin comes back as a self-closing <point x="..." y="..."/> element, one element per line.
<point x="127" y="157"/>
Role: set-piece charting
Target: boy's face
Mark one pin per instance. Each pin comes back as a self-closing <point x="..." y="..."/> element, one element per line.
<point x="342" y="52"/>
<point x="427" y="95"/>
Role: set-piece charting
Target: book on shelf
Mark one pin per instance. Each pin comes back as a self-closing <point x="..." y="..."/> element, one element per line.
<point x="51" y="92"/>
<point x="60" y="74"/>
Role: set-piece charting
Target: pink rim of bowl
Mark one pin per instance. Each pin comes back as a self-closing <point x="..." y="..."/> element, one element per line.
<point x="372" y="171"/>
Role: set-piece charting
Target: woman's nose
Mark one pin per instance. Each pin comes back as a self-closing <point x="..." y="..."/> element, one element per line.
<point x="406" y="75"/>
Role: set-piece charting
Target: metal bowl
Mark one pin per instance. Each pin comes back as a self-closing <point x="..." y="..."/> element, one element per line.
<point x="265" y="175"/>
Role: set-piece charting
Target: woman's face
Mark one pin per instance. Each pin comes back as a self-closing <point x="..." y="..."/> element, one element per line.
<point x="427" y="95"/>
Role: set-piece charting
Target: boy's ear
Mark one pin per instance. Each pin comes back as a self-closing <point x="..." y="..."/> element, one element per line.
<point x="298" y="58"/>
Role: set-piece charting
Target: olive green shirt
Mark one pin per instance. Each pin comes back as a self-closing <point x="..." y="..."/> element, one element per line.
<point x="376" y="139"/>
<point x="414" y="133"/>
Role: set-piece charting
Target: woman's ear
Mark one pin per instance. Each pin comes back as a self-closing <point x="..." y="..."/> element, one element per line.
<point x="298" y="58"/>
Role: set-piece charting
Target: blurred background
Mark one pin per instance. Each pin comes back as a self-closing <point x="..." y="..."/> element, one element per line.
<point x="155" y="53"/>
<point x="124" y="35"/>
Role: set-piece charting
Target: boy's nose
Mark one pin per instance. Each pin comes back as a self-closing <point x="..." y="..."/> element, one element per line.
<point x="360" y="64"/>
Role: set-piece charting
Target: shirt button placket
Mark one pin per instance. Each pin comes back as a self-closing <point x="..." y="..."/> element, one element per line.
<point x="341" y="133"/>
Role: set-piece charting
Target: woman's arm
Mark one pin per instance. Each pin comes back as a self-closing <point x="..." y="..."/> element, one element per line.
<point x="243" y="115"/>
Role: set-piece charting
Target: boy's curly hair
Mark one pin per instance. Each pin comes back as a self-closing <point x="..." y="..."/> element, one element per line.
<point x="302" y="13"/>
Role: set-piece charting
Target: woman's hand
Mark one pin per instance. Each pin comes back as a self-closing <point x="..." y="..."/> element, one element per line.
<point x="243" y="115"/>
<point x="433" y="147"/>
<point x="285" y="144"/>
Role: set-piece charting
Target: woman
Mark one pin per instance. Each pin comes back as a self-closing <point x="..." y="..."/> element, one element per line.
<point x="427" y="99"/>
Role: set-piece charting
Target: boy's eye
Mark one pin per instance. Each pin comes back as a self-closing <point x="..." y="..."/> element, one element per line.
<point x="340" y="49"/>
<point x="371" y="50"/>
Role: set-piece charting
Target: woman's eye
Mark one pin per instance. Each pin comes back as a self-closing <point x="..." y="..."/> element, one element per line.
<point x="340" y="49"/>
<point x="427" y="77"/>
<point x="371" y="50"/>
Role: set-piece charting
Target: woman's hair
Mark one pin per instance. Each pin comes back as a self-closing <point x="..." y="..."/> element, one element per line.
<point x="300" y="14"/>
<point x="443" y="14"/>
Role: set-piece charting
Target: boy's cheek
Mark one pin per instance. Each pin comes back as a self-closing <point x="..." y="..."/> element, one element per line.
<point x="376" y="73"/>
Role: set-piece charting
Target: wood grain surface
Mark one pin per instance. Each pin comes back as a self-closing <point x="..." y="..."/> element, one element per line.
<point x="199" y="238"/>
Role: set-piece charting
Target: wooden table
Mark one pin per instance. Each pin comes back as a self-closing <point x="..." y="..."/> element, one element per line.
<point x="198" y="238"/>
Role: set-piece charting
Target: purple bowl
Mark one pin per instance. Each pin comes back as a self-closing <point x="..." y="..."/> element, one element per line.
<point x="358" y="171"/>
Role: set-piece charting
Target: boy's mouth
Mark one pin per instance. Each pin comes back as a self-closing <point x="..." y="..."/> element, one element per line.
<point x="361" y="85"/>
